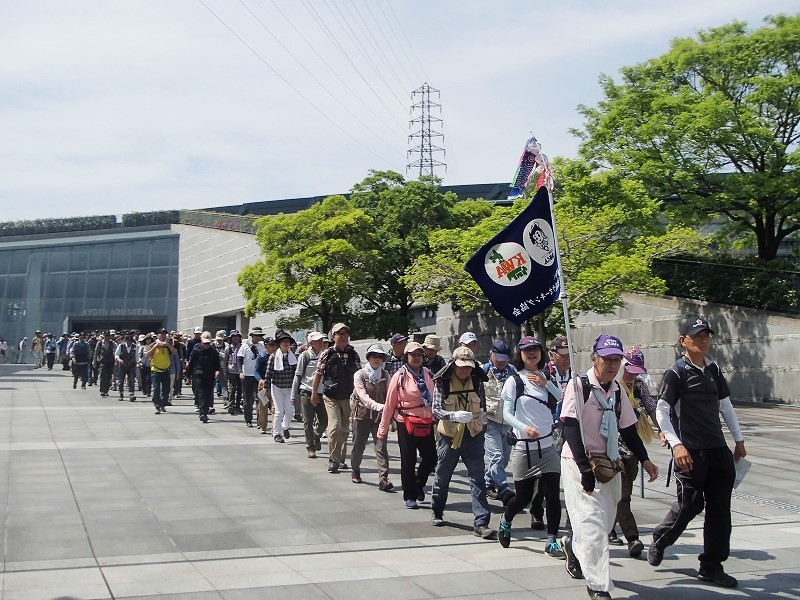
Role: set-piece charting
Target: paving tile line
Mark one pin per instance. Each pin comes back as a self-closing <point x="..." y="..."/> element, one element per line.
<point x="77" y="506"/>
<point x="528" y="542"/>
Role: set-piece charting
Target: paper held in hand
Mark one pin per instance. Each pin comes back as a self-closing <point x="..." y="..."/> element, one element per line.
<point x="262" y="396"/>
<point x="742" y="467"/>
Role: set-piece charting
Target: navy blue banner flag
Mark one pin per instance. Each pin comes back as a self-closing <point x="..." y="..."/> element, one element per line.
<point x="518" y="268"/>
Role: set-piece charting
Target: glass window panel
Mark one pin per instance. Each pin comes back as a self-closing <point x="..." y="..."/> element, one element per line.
<point x="79" y="260"/>
<point x="137" y="285"/>
<point x="117" y="283"/>
<point x="158" y="286"/>
<point x="52" y="308"/>
<point x="15" y="287"/>
<point x="140" y="257"/>
<point x="5" y="262"/>
<point x="160" y="257"/>
<point x="120" y="256"/>
<point x="99" y="258"/>
<point x="55" y="285"/>
<point x="19" y="262"/>
<point x="76" y="285"/>
<point x="96" y="285"/>
<point x="58" y="260"/>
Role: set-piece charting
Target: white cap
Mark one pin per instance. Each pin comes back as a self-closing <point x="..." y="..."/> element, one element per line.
<point x="315" y="336"/>
<point x="467" y="338"/>
<point x="198" y="330"/>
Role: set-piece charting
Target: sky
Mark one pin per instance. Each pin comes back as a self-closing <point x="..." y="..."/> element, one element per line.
<point x="117" y="106"/>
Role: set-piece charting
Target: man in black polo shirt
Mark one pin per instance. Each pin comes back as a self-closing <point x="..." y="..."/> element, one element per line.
<point x="693" y="395"/>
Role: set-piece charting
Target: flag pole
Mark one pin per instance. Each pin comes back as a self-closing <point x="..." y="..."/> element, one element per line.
<point x="548" y="182"/>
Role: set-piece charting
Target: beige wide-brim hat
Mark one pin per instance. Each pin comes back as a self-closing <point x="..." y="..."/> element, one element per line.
<point x="433" y="342"/>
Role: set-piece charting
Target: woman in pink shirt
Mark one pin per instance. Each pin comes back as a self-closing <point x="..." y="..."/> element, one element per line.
<point x="408" y="402"/>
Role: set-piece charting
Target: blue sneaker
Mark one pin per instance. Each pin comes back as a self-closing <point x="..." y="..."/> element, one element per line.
<point x="552" y="548"/>
<point x="411" y="504"/>
<point x="504" y="533"/>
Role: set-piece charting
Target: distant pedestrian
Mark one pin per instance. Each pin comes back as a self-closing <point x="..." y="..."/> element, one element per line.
<point x="315" y="417"/>
<point x="335" y="370"/>
<point x="203" y="370"/>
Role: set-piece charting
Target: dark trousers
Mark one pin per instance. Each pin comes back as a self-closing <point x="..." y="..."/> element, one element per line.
<point x="161" y="385"/>
<point x="126" y="372"/>
<point x="234" y="393"/>
<point x="146" y="384"/>
<point x="471" y="454"/>
<point x="177" y="387"/>
<point x="80" y="372"/>
<point x="708" y="485"/>
<point x="413" y="477"/>
<point x="106" y="371"/>
<point x="548" y="484"/>
<point x="625" y="518"/>
<point x="249" y="386"/>
<point x="92" y="374"/>
<point x="315" y="419"/>
<point x="537" y="500"/>
<point x="51" y="359"/>
<point x="204" y="387"/>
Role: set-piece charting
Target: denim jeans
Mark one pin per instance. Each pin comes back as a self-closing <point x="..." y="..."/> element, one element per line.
<point x="498" y="452"/>
<point x="161" y="386"/>
<point x="471" y="454"/>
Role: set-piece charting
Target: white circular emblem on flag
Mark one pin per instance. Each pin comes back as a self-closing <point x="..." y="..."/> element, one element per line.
<point x="539" y="242"/>
<point x="507" y="264"/>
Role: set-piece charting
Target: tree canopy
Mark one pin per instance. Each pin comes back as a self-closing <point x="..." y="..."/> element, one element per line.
<point x="713" y="124"/>
<point x="314" y="259"/>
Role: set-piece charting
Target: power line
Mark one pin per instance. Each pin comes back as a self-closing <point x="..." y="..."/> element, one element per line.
<point x="288" y="83"/>
<point x="412" y="66"/>
<point x="374" y="43"/>
<point x="405" y="37"/>
<point x="322" y="85"/>
<point x="316" y="16"/>
<point x="338" y="76"/>
<point x="388" y="44"/>
<point x="357" y="44"/>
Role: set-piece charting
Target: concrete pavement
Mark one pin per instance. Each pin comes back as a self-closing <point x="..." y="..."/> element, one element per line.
<point x="105" y="499"/>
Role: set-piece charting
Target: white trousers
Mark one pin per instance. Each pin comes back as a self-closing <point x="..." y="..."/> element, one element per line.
<point x="284" y="409"/>
<point x="592" y="516"/>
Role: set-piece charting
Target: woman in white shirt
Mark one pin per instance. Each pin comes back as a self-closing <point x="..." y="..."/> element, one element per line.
<point x="529" y="399"/>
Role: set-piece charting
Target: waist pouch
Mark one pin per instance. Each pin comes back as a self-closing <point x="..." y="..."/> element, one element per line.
<point x="603" y="467"/>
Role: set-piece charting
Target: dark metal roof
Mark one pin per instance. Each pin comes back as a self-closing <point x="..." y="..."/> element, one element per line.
<point x="494" y="192"/>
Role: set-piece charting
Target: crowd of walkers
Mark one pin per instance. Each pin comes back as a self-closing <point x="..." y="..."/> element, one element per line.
<point x="523" y="413"/>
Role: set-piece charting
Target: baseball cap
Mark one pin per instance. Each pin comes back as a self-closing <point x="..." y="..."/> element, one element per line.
<point x="220" y="335"/>
<point x="463" y="357"/>
<point x="234" y="332"/>
<point x="693" y="324"/>
<point x="338" y="327"/>
<point x="608" y="345"/>
<point x="467" y="338"/>
<point x="559" y="345"/>
<point x="205" y="337"/>
<point x="529" y="342"/>
<point x="501" y="350"/>
<point x="198" y="330"/>
<point x="634" y="361"/>
<point x="412" y="347"/>
<point x="315" y="336"/>
<point x="398" y="338"/>
<point x="163" y="330"/>
<point x="256" y="331"/>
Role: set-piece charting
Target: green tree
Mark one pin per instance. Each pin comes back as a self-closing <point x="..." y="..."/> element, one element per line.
<point x="405" y="214"/>
<point x="315" y="259"/>
<point x="712" y="123"/>
<point x="609" y="232"/>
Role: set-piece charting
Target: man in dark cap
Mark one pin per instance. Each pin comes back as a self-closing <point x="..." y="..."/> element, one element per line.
<point x="692" y="397"/>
